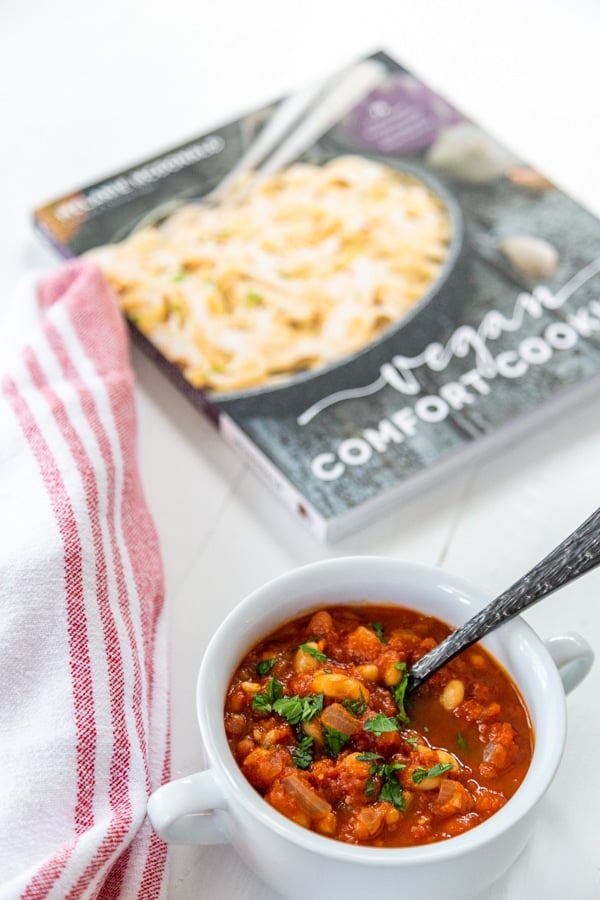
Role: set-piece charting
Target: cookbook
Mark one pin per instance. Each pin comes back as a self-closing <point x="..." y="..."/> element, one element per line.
<point x="357" y="284"/>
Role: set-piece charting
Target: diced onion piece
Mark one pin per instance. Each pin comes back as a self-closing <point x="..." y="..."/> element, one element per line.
<point x="262" y="766"/>
<point x="496" y="755"/>
<point x="338" y="717"/>
<point x="308" y="800"/>
<point x="369" y="820"/>
<point x="452" y="799"/>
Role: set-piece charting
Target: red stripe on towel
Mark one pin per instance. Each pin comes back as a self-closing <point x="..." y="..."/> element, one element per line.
<point x="77" y="632"/>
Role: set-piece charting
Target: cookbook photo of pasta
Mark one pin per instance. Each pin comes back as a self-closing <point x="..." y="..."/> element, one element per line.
<point x="356" y="282"/>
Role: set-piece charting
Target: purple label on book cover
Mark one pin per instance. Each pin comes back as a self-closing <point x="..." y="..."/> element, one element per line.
<point x="402" y="116"/>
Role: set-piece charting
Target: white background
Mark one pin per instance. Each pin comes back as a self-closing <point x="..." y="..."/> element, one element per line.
<point x="88" y="88"/>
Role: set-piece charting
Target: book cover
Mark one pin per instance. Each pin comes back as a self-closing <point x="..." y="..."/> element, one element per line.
<point x="379" y="295"/>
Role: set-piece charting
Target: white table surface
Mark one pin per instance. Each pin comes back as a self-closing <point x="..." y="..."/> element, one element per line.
<point x="87" y="88"/>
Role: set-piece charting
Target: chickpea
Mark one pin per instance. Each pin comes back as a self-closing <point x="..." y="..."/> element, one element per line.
<point x="250" y="687"/>
<point x="392" y="816"/>
<point x="278" y="735"/>
<point x="299" y="817"/>
<point x="392" y="675"/>
<point x="236" y="702"/>
<point x="305" y="662"/>
<point x="313" y="730"/>
<point x="409" y="799"/>
<point x="358" y="768"/>
<point x="321" y="623"/>
<point x="453" y="694"/>
<point x="369" y="672"/>
<point x="234" y="723"/>
<point x="245" y="746"/>
<point x="327" y="823"/>
<point x="446" y="759"/>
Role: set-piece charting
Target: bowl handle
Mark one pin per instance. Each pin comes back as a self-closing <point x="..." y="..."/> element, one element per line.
<point x="183" y="811"/>
<point x="573" y="657"/>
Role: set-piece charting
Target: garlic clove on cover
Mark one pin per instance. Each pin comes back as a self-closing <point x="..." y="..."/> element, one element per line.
<point x="532" y="256"/>
<point x="468" y="154"/>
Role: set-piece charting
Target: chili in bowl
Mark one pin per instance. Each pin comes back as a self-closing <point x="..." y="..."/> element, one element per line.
<point x="345" y="778"/>
<point x="318" y="718"/>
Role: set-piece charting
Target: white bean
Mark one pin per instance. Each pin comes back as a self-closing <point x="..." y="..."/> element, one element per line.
<point x="453" y="694"/>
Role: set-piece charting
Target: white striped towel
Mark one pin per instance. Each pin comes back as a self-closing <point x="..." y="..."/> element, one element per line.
<point x="84" y="730"/>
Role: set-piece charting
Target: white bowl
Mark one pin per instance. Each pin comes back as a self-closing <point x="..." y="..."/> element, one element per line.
<point x="219" y="805"/>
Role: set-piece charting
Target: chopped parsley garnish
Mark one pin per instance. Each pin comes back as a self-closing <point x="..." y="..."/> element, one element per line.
<point x="298" y="709"/>
<point x="253" y="298"/>
<point x="413" y="741"/>
<point x="334" y="740"/>
<point x="180" y="275"/>
<point x="263" y="702"/>
<point x="420" y="774"/>
<point x="391" y="791"/>
<point x="290" y="708"/>
<point x="378" y="629"/>
<point x="462" y="742"/>
<point x="265" y="666"/>
<point x="260" y="703"/>
<point x="356" y="707"/>
<point x="294" y="710"/>
<point x="380" y="723"/>
<point x="312" y="706"/>
<point x="313" y="651"/>
<point x="302" y="755"/>
<point x="399" y="693"/>
<point x="370" y="786"/>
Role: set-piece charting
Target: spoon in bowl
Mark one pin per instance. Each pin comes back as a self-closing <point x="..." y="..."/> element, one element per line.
<point x="573" y="557"/>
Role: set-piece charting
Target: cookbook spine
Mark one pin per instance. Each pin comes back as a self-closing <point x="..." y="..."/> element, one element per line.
<point x="272" y="476"/>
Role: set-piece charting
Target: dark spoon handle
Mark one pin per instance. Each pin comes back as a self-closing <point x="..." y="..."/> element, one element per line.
<point x="575" y="556"/>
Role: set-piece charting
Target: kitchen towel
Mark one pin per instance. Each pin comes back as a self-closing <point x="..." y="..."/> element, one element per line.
<point x="84" y="718"/>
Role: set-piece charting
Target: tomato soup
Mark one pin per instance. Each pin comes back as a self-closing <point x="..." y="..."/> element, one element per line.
<point x="319" y="720"/>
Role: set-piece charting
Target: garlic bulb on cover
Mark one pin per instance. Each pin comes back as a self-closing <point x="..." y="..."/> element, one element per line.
<point x="468" y="154"/>
<point x="532" y="256"/>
